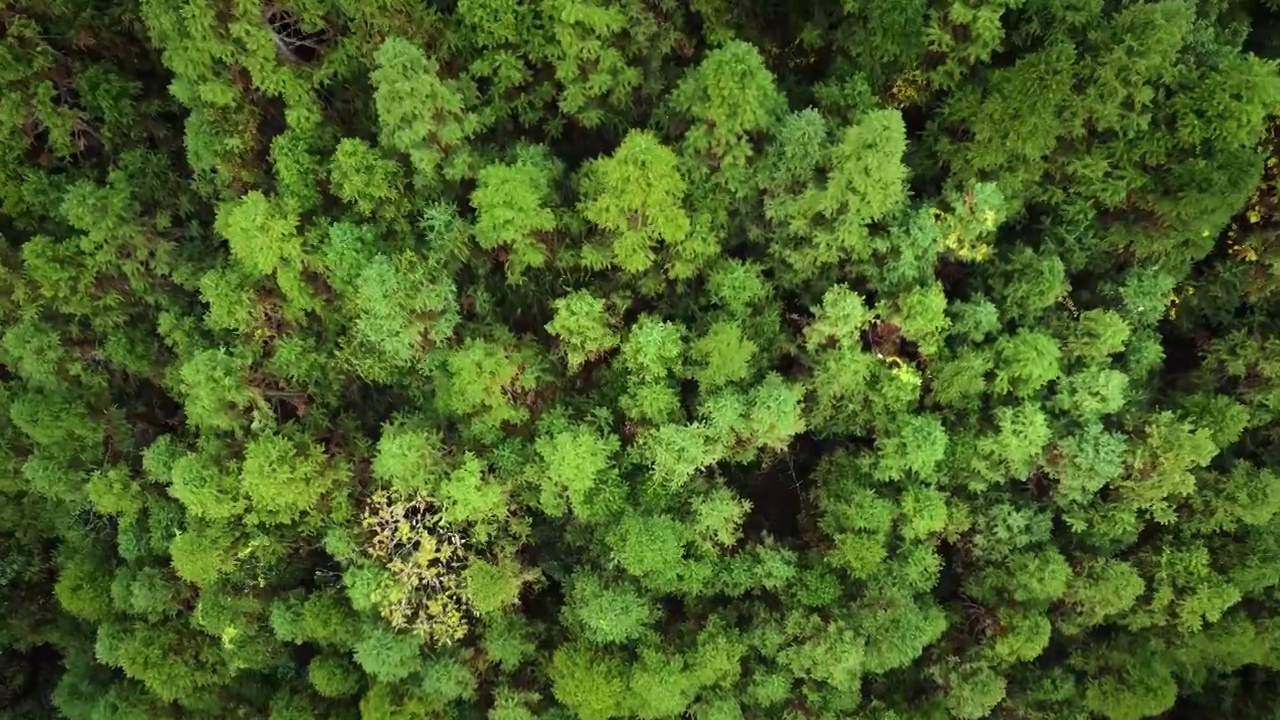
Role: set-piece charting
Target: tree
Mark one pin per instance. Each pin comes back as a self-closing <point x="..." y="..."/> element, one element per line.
<point x="512" y="213"/>
<point x="636" y="197"/>
<point x="577" y="360"/>
<point x="419" y="114"/>
<point x="583" y="324"/>
<point x="865" y="183"/>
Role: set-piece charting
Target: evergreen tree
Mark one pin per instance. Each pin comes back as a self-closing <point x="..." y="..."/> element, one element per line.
<point x="592" y="359"/>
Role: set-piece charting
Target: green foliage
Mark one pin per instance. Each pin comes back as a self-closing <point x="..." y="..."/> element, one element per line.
<point x="419" y="114"/>
<point x="386" y="655"/>
<point x="730" y="99"/>
<point x="583" y="325"/>
<point x="650" y="547"/>
<point x="262" y="235"/>
<point x="577" y="466"/>
<point x="512" y="213"/>
<point x="660" y="686"/>
<point x="409" y="457"/>
<point x="608" y="612"/>
<point x="865" y="182"/>
<point x="635" y="196"/>
<point x="215" y="391"/>
<point x="493" y="588"/>
<point x="723" y="356"/>
<point x="592" y="686"/>
<point x="591" y="359"/>
<point x="282" y="479"/>
<point x="401" y="306"/>
<point x="1025" y="362"/>
<point x="362" y="177"/>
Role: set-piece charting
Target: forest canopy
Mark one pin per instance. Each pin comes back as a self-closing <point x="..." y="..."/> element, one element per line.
<point x="593" y="359"/>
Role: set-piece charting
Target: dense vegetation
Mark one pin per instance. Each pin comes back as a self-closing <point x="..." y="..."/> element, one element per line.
<point x="582" y="359"/>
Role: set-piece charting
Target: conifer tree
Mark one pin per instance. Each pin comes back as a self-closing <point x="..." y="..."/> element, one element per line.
<point x="593" y="359"/>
